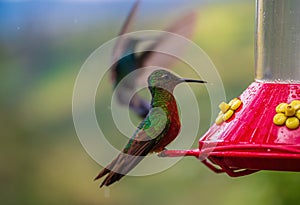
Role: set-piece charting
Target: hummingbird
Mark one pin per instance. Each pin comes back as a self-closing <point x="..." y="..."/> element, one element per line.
<point x="125" y="60"/>
<point x="159" y="128"/>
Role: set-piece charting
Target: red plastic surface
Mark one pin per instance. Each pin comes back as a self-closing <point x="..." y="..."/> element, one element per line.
<point x="250" y="141"/>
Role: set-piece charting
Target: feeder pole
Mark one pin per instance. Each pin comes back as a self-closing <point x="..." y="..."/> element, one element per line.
<point x="277" y="49"/>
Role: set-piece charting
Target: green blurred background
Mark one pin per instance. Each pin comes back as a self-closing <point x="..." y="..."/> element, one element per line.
<point x="42" y="47"/>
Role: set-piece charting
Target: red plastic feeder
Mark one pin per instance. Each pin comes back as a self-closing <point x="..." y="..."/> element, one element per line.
<point x="260" y="129"/>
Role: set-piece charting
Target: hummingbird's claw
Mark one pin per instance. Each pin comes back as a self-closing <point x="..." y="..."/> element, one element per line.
<point x="162" y="153"/>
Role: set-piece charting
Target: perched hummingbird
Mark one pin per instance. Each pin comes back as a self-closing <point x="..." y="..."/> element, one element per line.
<point x="160" y="127"/>
<point x="126" y="60"/>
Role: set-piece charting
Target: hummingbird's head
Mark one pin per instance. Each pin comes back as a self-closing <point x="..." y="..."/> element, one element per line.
<point x="166" y="80"/>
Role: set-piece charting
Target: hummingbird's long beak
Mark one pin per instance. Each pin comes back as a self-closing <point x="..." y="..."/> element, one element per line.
<point x="192" y="80"/>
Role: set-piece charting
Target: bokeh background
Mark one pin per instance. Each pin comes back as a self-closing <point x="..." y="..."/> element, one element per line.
<point x="42" y="47"/>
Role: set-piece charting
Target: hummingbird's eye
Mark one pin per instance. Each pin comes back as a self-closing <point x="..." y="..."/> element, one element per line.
<point x="164" y="76"/>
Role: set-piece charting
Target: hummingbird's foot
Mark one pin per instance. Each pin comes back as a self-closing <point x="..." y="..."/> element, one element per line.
<point x="163" y="153"/>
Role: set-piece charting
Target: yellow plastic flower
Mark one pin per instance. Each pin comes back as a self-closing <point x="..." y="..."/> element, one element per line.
<point x="288" y="114"/>
<point x="227" y="110"/>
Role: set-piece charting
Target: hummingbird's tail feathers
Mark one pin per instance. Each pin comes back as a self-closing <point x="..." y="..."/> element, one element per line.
<point x="119" y="167"/>
<point x="102" y="173"/>
<point x="124" y="162"/>
<point x="108" y="168"/>
<point x="111" y="178"/>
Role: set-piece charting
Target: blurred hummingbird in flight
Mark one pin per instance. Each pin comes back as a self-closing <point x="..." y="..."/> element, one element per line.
<point x="159" y="128"/>
<point x="125" y="60"/>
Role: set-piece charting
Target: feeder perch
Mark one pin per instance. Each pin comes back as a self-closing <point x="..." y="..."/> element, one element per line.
<point x="262" y="133"/>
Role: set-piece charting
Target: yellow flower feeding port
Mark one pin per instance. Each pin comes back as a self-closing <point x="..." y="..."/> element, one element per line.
<point x="288" y="114"/>
<point x="227" y="110"/>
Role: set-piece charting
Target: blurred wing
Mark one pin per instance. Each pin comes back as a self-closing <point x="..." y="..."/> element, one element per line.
<point x="184" y="26"/>
<point x="127" y="96"/>
<point x="121" y="42"/>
